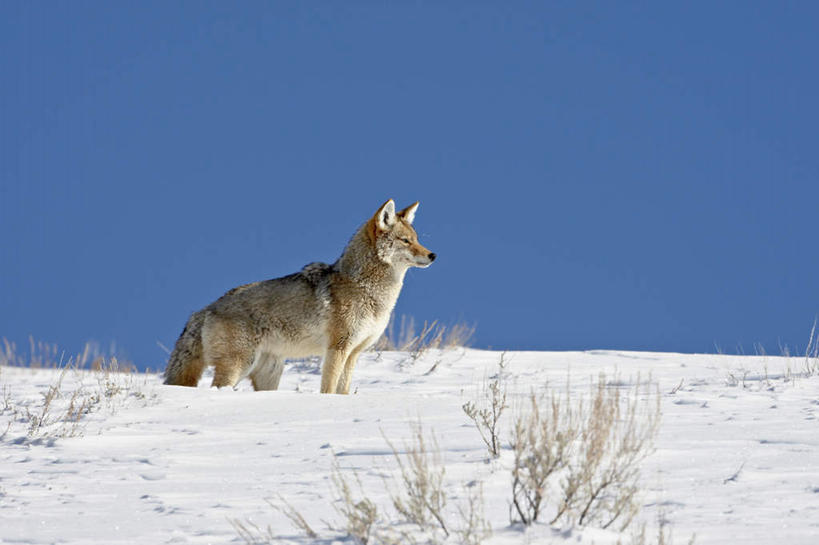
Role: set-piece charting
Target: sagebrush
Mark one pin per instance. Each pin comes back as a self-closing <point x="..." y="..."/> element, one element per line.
<point x="582" y="458"/>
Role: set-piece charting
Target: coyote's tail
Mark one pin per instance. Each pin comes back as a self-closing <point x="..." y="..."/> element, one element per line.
<point x="186" y="364"/>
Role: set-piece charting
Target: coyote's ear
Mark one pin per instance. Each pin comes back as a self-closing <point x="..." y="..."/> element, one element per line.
<point x="385" y="217"/>
<point x="408" y="213"/>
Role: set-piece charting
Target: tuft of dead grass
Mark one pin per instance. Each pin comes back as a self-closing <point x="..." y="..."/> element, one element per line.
<point x="45" y="355"/>
<point x="432" y="335"/>
<point x="75" y="393"/>
<point x="664" y="535"/>
<point x="811" y="364"/>
<point x="417" y="497"/>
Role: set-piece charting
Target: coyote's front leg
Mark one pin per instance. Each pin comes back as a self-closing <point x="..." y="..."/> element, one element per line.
<point x="331" y="370"/>
<point x="343" y="386"/>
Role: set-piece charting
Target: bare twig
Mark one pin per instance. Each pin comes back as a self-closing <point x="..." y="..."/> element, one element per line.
<point x="676" y="388"/>
<point x="296" y="518"/>
<point x="735" y="476"/>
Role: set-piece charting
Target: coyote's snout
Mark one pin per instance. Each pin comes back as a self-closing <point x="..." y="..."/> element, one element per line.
<point x="333" y="310"/>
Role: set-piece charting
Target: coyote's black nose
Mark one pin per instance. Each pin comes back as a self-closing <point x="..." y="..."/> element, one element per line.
<point x="432" y="256"/>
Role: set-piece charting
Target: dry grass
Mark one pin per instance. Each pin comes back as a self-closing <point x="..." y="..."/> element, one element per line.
<point x="252" y="534"/>
<point x="40" y="355"/>
<point x="432" y="335"/>
<point x="49" y="421"/>
<point x="796" y="366"/>
<point x="583" y="456"/>
<point x="75" y="393"/>
<point x="811" y="365"/>
<point x="577" y="461"/>
<point x="294" y="516"/>
<point x="43" y="355"/>
<point x="664" y="536"/>
<point x="417" y="498"/>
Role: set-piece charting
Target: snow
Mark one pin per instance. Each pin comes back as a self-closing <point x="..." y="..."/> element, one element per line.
<point x="736" y="460"/>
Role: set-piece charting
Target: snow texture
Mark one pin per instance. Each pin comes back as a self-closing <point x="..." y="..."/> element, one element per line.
<point x="736" y="460"/>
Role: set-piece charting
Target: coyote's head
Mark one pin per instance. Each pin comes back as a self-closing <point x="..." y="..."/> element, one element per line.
<point x="396" y="242"/>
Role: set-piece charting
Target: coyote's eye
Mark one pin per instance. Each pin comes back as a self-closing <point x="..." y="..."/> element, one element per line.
<point x="405" y="240"/>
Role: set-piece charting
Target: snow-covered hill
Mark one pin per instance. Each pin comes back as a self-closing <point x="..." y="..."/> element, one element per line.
<point x="736" y="460"/>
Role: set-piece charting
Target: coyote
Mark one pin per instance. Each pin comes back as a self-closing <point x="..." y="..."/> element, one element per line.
<point x="335" y="311"/>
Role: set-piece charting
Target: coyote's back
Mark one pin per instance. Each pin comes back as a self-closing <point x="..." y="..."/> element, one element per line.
<point x="333" y="310"/>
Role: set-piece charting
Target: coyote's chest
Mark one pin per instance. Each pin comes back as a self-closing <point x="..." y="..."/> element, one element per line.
<point x="367" y="312"/>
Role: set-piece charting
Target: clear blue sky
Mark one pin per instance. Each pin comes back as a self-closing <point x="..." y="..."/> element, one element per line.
<point x="592" y="175"/>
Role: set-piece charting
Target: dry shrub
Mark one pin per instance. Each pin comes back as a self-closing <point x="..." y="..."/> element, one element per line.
<point x="360" y="514"/>
<point x="542" y="443"/>
<point x="421" y="498"/>
<point x="584" y="457"/>
<point x="486" y="412"/>
<point x="474" y="527"/>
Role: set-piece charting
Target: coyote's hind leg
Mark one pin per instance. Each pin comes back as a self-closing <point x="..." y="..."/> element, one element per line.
<point x="267" y="372"/>
<point x="225" y="350"/>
